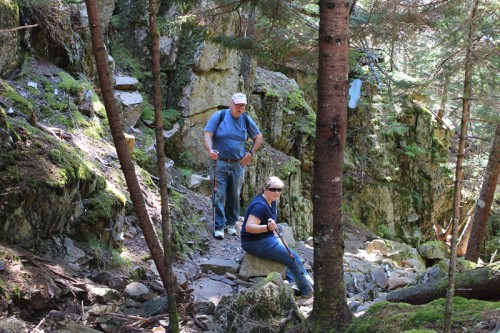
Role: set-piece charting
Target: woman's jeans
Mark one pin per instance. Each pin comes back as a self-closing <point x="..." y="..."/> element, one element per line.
<point x="272" y="248"/>
<point x="229" y="179"/>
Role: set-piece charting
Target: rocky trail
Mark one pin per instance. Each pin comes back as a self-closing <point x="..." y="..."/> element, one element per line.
<point x="61" y="293"/>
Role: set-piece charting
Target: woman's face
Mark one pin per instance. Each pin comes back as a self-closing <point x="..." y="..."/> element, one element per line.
<point x="274" y="191"/>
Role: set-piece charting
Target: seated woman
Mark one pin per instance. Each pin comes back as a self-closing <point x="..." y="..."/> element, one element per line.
<point x="258" y="235"/>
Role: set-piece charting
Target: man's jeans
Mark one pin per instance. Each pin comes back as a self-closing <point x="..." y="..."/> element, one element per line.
<point x="229" y="179"/>
<point x="272" y="248"/>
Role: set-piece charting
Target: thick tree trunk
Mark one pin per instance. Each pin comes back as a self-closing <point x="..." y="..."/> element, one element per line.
<point x="458" y="174"/>
<point x="119" y="140"/>
<point x="171" y="283"/>
<point x="483" y="205"/>
<point x="330" y="305"/>
<point x="482" y="283"/>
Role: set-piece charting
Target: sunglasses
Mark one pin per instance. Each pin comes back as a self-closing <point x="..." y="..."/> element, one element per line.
<point x="275" y="189"/>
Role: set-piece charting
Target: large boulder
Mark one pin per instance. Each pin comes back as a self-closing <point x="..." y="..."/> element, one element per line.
<point x="397" y="182"/>
<point x="9" y="40"/>
<point x="260" y="308"/>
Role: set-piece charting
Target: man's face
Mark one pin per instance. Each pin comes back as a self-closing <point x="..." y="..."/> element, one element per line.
<point x="237" y="109"/>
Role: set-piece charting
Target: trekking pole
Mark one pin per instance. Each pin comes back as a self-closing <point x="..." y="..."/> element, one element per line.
<point x="306" y="276"/>
<point x="214" y="190"/>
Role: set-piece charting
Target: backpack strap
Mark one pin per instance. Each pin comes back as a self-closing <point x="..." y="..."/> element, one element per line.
<point x="223" y="114"/>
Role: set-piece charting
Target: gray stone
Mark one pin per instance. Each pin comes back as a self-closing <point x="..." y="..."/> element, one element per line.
<point x="208" y="290"/>
<point x="200" y="184"/>
<point x="252" y="266"/>
<point x="155" y="306"/>
<point x="32" y="84"/>
<point x="102" y="293"/>
<point x="287" y="234"/>
<point x="110" y="280"/>
<point x="380" y="278"/>
<point x="432" y="250"/>
<point x="73" y="253"/>
<point x="14" y="325"/>
<point x="204" y="308"/>
<point x="9" y="41"/>
<point x="130" y="105"/>
<point x="398" y="280"/>
<point x="136" y="290"/>
<point x="377" y="245"/>
<point x="219" y="266"/>
<point x="257" y="309"/>
<point x="126" y="83"/>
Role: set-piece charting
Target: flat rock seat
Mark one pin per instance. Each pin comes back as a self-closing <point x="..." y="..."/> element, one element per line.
<point x="253" y="266"/>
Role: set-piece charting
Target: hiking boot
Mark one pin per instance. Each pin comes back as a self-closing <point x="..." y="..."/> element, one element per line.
<point x="219" y="234"/>
<point x="231" y="231"/>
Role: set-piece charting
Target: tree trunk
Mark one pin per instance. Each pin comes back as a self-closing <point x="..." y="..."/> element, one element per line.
<point x="330" y="305"/>
<point x="481" y="283"/>
<point x="458" y="174"/>
<point x="485" y="201"/>
<point x="247" y="67"/>
<point x="171" y="283"/>
<point x="444" y="97"/>
<point x="119" y="140"/>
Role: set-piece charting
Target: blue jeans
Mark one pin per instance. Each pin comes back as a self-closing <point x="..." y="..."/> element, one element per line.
<point x="272" y="248"/>
<point x="229" y="179"/>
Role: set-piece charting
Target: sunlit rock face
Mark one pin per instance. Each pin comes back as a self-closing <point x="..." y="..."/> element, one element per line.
<point x="9" y="40"/>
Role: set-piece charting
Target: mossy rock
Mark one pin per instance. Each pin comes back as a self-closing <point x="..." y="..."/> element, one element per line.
<point x="468" y="315"/>
<point x="259" y="308"/>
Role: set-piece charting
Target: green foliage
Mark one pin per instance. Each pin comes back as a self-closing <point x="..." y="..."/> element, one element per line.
<point x="394" y="128"/>
<point x="125" y="59"/>
<point x="417" y="199"/>
<point x="104" y="257"/>
<point x="70" y="166"/>
<point x="401" y="317"/>
<point x="21" y="103"/>
<point x="169" y="116"/>
<point x="100" y="208"/>
<point x="69" y="84"/>
<point x="287" y="168"/>
<point x="413" y="150"/>
<point x="383" y="231"/>
<point x="185" y="158"/>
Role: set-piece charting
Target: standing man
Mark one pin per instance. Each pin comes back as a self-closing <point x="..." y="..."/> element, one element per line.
<point x="225" y="140"/>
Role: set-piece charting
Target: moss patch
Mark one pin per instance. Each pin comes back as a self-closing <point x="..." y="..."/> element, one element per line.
<point x="398" y="317"/>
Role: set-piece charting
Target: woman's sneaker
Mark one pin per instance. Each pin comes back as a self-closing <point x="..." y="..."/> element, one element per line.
<point x="219" y="233"/>
<point x="231" y="231"/>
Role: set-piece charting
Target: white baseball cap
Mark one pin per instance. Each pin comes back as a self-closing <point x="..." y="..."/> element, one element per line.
<point x="239" y="98"/>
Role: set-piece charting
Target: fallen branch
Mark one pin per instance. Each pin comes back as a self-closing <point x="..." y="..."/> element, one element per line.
<point x="19" y="28"/>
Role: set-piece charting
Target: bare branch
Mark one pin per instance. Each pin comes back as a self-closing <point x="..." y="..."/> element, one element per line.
<point x="19" y="28"/>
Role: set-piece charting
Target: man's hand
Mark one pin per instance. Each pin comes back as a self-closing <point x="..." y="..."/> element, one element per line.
<point x="246" y="159"/>
<point x="214" y="154"/>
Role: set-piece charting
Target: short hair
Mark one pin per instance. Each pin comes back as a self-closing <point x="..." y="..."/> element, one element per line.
<point x="273" y="180"/>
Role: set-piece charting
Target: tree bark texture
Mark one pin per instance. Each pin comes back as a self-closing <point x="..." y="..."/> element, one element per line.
<point x="122" y="151"/>
<point x="171" y="283"/>
<point x="459" y="171"/>
<point x="481" y="283"/>
<point x="330" y="305"/>
<point x="483" y="205"/>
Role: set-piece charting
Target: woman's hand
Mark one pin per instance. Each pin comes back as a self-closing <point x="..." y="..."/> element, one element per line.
<point x="271" y="225"/>
<point x="254" y="225"/>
